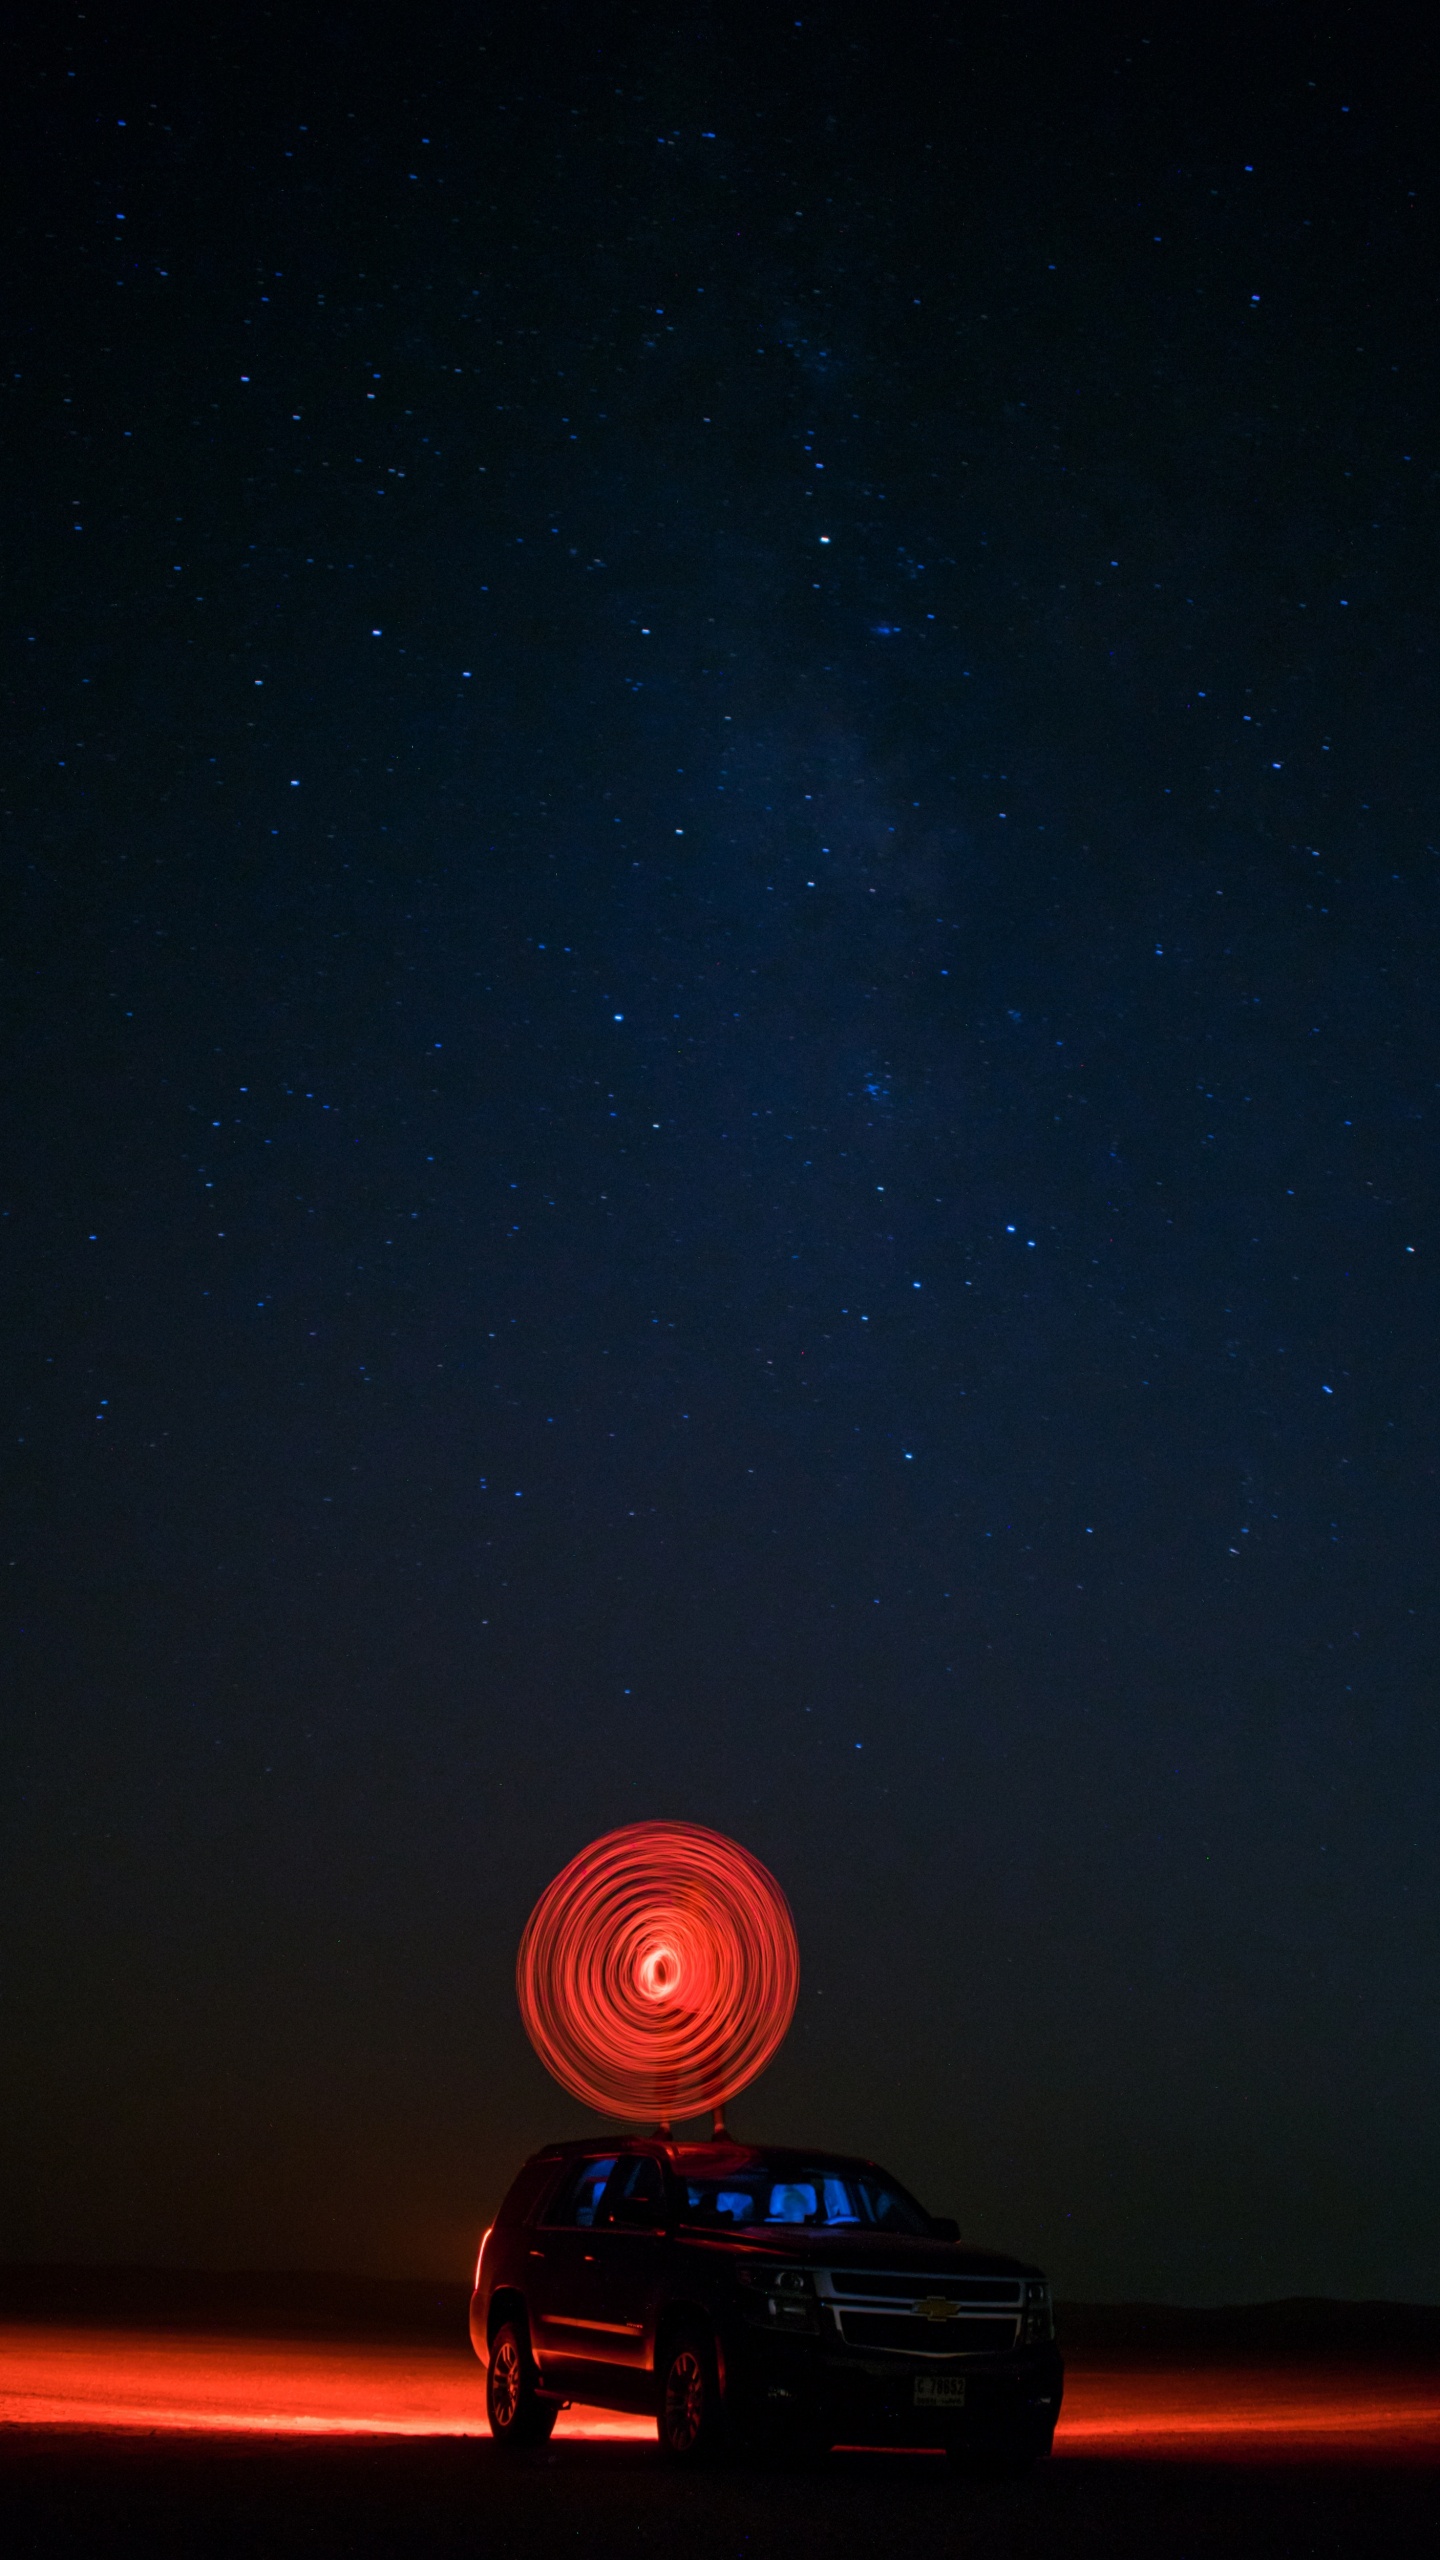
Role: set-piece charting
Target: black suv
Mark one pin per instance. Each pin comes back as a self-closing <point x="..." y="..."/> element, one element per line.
<point x="746" y="2296"/>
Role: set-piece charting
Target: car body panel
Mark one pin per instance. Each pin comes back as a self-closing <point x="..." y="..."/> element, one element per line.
<point x="883" y="2336"/>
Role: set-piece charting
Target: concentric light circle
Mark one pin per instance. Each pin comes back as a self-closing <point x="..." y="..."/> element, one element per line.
<point x="659" y="1972"/>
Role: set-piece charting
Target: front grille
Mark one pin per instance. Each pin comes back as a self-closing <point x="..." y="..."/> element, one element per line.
<point x="902" y="2330"/>
<point x="854" y="2284"/>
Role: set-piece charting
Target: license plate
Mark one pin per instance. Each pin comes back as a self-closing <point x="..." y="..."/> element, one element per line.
<point x="939" y="2390"/>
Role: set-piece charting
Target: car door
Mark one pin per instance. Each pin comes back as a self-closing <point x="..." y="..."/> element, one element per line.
<point x="560" y="2266"/>
<point x="627" y="2263"/>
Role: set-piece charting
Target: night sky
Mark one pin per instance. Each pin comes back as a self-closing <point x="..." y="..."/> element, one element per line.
<point x="720" y="992"/>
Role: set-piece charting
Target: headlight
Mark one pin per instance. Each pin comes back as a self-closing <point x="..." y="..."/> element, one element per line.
<point x="784" y="2280"/>
<point x="1039" y="2311"/>
<point x="783" y="2297"/>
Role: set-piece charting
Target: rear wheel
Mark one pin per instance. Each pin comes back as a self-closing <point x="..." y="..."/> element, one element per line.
<point x="516" y="2412"/>
<point x="689" y="2419"/>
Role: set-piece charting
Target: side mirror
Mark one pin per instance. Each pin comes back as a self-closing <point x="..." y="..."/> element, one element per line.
<point x="944" y="2227"/>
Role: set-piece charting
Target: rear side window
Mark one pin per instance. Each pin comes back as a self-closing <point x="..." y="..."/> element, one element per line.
<point x="529" y="2187"/>
<point x="574" y="2202"/>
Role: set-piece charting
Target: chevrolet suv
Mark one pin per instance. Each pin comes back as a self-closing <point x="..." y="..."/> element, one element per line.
<point x="744" y="2296"/>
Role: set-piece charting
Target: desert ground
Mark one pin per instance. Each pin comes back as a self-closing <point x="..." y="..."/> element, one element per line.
<point x="146" y="2414"/>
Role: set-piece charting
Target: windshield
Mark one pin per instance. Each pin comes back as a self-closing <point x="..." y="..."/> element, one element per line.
<point x="808" y="2199"/>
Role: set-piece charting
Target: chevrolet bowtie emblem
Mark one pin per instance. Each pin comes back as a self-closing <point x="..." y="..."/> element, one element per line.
<point x="937" y="2306"/>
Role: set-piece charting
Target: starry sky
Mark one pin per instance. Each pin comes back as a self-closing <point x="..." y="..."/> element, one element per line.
<point x="719" y="989"/>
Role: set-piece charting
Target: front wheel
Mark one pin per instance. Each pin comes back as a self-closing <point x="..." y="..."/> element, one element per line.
<point x="689" y="2418"/>
<point x="516" y="2412"/>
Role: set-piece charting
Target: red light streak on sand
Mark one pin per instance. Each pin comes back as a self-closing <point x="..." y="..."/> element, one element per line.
<point x="659" y="1972"/>
<point x="1255" y="2413"/>
<point x="64" y="2377"/>
<point x="55" y="2376"/>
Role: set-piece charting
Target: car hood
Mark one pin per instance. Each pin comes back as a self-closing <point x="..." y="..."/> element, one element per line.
<point x="799" y="2247"/>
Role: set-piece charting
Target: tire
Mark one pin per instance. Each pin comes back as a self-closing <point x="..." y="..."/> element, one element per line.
<point x="517" y="2414"/>
<point x="689" y="2419"/>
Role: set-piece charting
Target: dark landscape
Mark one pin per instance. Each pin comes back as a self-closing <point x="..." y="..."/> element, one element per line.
<point x="1280" y="2439"/>
<point x="718" y="744"/>
<point x="91" y="2493"/>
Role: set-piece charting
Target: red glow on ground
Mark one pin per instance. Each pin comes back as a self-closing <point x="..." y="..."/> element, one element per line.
<point x="62" y="2377"/>
<point x="1246" y="2413"/>
<point x="659" y="1972"/>
<point x="54" y="2376"/>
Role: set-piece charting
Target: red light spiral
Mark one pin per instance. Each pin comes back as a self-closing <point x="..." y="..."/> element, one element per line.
<point x="659" y="1972"/>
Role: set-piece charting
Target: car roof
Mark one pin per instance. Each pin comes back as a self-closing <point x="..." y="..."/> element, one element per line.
<point x="720" y="2157"/>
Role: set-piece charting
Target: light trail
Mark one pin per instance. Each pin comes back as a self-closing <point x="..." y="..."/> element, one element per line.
<point x="1247" y="2413"/>
<point x="57" y="2376"/>
<point x="659" y="1972"/>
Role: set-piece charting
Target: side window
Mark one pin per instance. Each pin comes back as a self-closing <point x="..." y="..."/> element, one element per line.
<point x="529" y="2187"/>
<point x="730" y="2207"/>
<point x="793" y="2202"/>
<point x="635" y="2197"/>
<point x="578" y="2194"/>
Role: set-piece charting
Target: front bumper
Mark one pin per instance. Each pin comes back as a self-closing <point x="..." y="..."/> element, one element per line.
<point x="779" y="2385"/>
